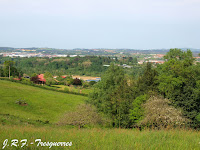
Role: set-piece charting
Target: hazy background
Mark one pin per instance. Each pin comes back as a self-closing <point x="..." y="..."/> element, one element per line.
<point x="141" y="24"/>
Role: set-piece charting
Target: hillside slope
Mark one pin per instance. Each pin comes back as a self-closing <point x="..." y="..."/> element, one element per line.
<point x="40" y="105"/>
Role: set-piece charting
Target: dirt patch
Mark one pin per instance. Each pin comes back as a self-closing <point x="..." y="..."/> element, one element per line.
<point x="85" y="77"/>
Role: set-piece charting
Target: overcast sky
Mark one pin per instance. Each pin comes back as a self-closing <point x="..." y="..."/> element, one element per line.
<point x="139" y="24"/>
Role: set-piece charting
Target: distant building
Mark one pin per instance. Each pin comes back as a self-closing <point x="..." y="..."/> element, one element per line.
<point x="140" y="62"/>
<point x="106" y="65"/>
<point x="41" y="78"/>
<point x="126" y="66"/>
<point x="152" y="61"/>
<point x="159" y="56"/>
<point x="96" y="80"/>
<point x="156" y="61"/>
<point x="72" y="55"/>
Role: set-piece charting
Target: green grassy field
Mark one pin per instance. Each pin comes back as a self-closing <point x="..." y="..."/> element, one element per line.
<point x="42" y="105"/>
<point x="74" y="89"/>
<point x="109" y="139"/>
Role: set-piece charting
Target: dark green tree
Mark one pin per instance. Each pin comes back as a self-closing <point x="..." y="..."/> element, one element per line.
<point x="9" y="69"/>
<point x="113" y="96"/>
<point x="178" y="80"/>
<point x="146" y="82"/>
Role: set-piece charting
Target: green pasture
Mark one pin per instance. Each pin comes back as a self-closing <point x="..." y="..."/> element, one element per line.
<point x="41" y="104"/>
<point x="103" y="139"/>
<point x="75" y="89"/>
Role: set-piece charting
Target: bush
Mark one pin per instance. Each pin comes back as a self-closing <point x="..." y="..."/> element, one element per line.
<point x="91" y="83"/>
<point x="198" y="117"/>
<point x="85" y="84"/>
<point x="159" y="114"/>
<point x="77" y="82"/>
<point x="83" y="115"/>
<point x="66" y="89"/>
<point x="21" y="102"/>
<point x="26" y="81"/>
<point x="50" y="81"/>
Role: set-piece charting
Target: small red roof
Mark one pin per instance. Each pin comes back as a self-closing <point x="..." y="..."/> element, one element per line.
<point x="41" y="77"/>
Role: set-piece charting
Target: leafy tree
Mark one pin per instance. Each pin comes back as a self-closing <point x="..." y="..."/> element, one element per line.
<point x="85" y="84"/>
<point x="50" y="81"/>
<point x="1" y="72"/>
<point x="137" y="112"/>
<point x="83" y="115"/>
<point x="178" y="54"/>
<point x="178" y="80"/>
<point x="9" y="66"/>
<point x="135" y="61"/>
<point x="77" y="82"/>
<point x="87" y="63"/>
<point x="34" y="75"/>
<point x="113" y="96"/>
<point x="91" y="83"/>
<point x="34" y="79"/>
<point x="159" y="114"/>
<point x="147" y="81"/>
<point x="47" y="75"/>
<point x="69" y="80"/>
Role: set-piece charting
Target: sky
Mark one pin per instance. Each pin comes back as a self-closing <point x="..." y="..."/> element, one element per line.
<point x="68" y="24"/>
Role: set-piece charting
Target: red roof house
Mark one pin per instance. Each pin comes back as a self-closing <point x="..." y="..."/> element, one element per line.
<point x="41" y="78"/>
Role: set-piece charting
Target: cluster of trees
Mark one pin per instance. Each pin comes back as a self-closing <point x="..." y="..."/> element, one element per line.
<point x="9" y="70"/>
<point x="88" y="65"/>
<point x="122" y="98"/>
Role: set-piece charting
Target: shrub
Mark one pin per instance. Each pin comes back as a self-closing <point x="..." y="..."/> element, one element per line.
<point x="50" y="81"/>
<point x="21" y="102"/>
<point x="77" y="82"/>
<point x="91" y="83"/>
<point x="159" y="114"/>
<point x="66" y="89"/>
<point x="198" y="117"/>
<point x="85" y="84"/>
<point x="83" y="115"/>
<point x="26" y="81"/>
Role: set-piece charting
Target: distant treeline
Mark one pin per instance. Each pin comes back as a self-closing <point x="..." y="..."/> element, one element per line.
<point x="88" y="65"/>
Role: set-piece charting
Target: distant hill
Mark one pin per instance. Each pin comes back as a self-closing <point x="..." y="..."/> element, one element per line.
<point x="7" y="49"/>
<point x="100" y="51"/>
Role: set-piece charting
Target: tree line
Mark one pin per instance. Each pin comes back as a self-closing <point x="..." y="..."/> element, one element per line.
<point x="88" y="65"/>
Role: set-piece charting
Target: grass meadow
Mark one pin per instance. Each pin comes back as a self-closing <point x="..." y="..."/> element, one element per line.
<point x="42" y="105"/>
<point x="74" y="89"/>
<point x="109" y="139"/>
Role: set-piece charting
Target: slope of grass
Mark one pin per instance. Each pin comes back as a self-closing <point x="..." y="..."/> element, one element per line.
<point x="42" y="105"/>
<point x="100" y="139"/>
<point x="74" y="89"/>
